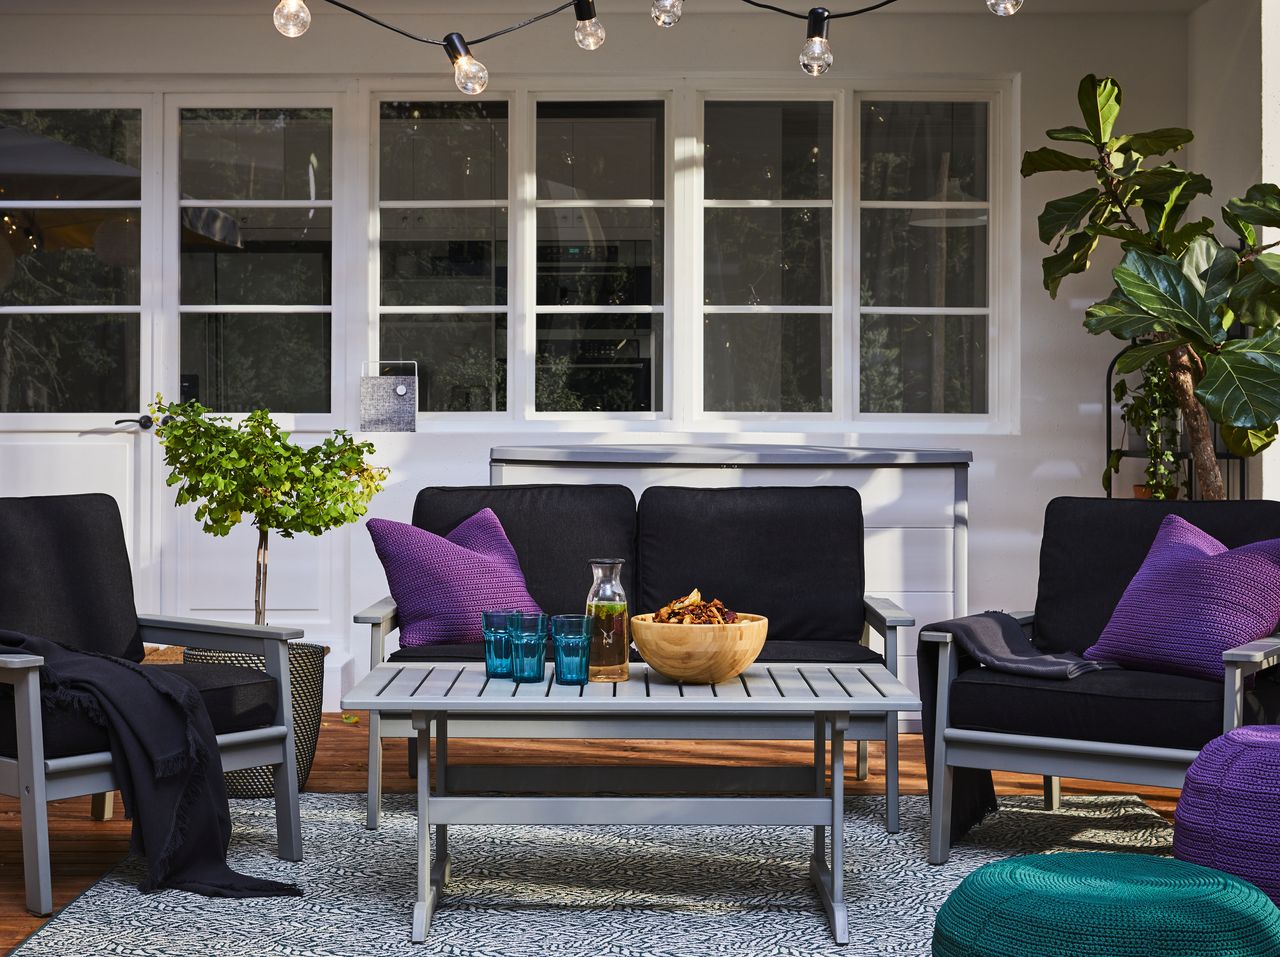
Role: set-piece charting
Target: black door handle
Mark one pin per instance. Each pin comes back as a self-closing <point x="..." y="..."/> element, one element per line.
<point x="143" y="421"/>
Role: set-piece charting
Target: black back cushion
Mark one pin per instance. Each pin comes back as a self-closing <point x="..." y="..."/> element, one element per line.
<point x="555" y="529"/>
<point x="793" y="555"/>
<point x="64" y="573"/>
<point x="1092" y="548"/>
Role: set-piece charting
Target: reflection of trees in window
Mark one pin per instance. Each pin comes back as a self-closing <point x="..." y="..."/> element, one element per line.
<point x="924" y="364"/>
<point x="276" y="154"/>
<point x="462" y="359"/>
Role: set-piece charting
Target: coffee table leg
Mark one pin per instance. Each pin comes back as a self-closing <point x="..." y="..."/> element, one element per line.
<point x="440" y="870"/>
<point x="829" y="879"/>
<point x="820" y="782"/>
<point x="427" y="888"/>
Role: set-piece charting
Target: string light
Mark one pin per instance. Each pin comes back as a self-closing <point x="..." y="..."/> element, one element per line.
<point x="292" y="19"/>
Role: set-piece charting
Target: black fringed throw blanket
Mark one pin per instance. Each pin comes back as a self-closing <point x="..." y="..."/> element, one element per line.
<point x="994" y="640"/>
<point x="165" y="757"/>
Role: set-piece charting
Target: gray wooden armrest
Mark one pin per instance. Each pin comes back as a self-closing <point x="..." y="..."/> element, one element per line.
<point x="1023" y="618"/>
<point x="937" y="637"/>
<point x="19" y="663"/>
<point x="1263" y="652"/>
<point x="379" y="613"/>
<point x="218" y="635"/>
<point x="1238" y="664"/>
<point x="883" y="613"/>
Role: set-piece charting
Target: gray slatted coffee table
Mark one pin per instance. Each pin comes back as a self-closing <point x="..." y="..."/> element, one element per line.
<point x="830" y="694"/>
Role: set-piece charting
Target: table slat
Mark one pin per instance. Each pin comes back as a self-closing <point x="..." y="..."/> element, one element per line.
<point x="498" y="688"/>
<point x="733" y="688"/>
<point x="403" y="684"/>
<point x="820" y="679"/>
<point x="856" y="683"/>
<point x="564" y="692"/>
<point x="597" y="690"/>
<point x="662" y="689"/>
<point x="470" y="684"/>
<point x="439" y="682"/>
<point x="789" y="680"/>
<point x="536" y="689"/>
<point x="759" y="684"/>
<point x="696" y="692"/>
<point x="633" y="688"/>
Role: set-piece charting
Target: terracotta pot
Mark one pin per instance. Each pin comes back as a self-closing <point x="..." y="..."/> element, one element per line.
<point x="1142" y="491"/>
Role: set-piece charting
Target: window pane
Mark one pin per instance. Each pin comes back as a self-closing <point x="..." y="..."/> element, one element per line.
<point x="70" y="154"/>
<point x="599" y="257"/>
<point x="256" y="256"/>
<point x="238" y="362"/>
<point x="768" y="150"/>
<point x="256" y="154"/>
<point x="924" y="151"/>
<point x="599" y="363"/>
<point x="914" y="258"/>
<point x="444" y="257"/>
<point x="69" y="257"/>
<point x="768" y="257"/>
<point x="924" y="364"/>
<point x="69" y="363"/>
<point x="600" y="150"/>
<point x="462" y="360"/>
<point x="766" y="363"/>
<point x="443" y="151"/>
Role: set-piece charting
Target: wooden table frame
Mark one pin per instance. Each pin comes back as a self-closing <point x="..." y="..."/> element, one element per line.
<point x="831" y="696"/>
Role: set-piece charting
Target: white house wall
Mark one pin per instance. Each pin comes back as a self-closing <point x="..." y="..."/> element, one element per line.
<point x="1054" y="445"/>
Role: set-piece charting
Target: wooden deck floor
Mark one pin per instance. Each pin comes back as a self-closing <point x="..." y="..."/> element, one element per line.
<point x="83" y="850"/>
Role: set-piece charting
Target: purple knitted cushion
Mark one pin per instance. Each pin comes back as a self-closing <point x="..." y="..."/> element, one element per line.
<point x="441" y="585"/>
<point x="1228" y="814"/>
<point x="1191" y="600"/>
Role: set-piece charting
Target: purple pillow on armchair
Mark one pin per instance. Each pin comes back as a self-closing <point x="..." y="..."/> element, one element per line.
<point x="1192" y="599"/>
<point x="441" y="585"/>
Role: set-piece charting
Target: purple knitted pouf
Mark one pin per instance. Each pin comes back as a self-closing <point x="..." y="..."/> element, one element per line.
<point x="1228" y="816"/>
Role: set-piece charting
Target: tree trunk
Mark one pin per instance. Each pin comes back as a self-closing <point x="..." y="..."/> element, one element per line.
<point x="1195" y="420"/>
<point x="260" y="580"/>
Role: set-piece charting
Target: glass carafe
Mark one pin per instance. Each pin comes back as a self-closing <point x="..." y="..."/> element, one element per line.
<point x="610" y="632"/>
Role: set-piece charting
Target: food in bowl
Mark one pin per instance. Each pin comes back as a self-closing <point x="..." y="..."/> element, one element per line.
<point x="702" y="650"/>
<point x="692" y="610"/>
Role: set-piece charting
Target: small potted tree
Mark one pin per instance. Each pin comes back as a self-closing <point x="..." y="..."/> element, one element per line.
<point x="1149" y="410"/>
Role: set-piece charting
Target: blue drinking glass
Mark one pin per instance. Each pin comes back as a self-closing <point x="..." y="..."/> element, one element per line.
<point x="571" y="635"/>
<point x="497" y="643"/>
<point x="528" y="631"/>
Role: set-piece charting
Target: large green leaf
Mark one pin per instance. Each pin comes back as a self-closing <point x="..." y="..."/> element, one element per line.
<point x="1238" y="226"/>
<point x="1197" y="259"/>
<point x="1065" y="215"/>
<point x="1263" y="349"/>
<point x="1131" y="360"/>
<point x="1158" y="286"/>
<point x="1120" y="317"/>
<point x="1260" y="206"/>
<point x="1126" y="235"/>
<point x="1074" y="258"/>
<point x="1254" y="300"/>
<point x="1220" y="277"/>
<point x="1268" y="267"/>
<point x="1071" y="134"/>
<point x="1178" y="241"/>
<point x="1247" y="442"/>
<point x="1100" y="101"/>
<point x="1153" y="143"/>
<point x="1164" y="193"/>
<point x="1240" y="392"/>
<point x="1048" y="160"/>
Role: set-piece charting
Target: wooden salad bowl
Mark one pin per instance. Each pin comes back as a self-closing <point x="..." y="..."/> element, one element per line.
<point x="699" y="654"/>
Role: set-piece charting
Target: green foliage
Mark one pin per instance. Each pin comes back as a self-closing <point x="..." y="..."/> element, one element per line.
<point x="1149" y="411"/>
<point x="1178" y="289"/>
<point x="236" y="470"/>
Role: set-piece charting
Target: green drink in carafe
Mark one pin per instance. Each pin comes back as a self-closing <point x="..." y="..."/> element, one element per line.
<point x="610" y="631"/>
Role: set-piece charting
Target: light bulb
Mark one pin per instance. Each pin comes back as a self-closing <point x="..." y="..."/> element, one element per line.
<point x="815" y="56"/>
<point x="470" y="75"/>
<point x="666" y="13"/>
<point x="292" y="18"/>
<point x="589" y="33"/>
<point x="1004" y="8"/>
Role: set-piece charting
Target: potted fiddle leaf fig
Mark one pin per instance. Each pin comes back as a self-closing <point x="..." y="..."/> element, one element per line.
<point x="233" y="471"/>
<point x="1208" y="311"/>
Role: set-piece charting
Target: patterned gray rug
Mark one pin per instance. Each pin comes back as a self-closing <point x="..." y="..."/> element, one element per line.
<point x="575" y="892"/>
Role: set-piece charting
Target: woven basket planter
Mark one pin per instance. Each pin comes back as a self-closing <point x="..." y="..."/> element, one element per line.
<point x="1228" y="816"/>
<point x="306" y="686"/>
<point x="1104" y="905"/>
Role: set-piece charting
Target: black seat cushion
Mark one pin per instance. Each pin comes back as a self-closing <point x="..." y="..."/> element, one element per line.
<point x="1121" y="706"/>
<point x="1092" y="548"/>
<point x="555" y="529"/>
<point x="847" y="651"/>
<point x="238" y="699"/>
<point x="793" y="555"/>
<point x="64" y="573"/>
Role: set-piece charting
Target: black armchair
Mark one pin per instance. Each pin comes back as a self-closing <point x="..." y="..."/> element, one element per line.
<point x="65" y="576"/>
<point x="1124" y="725"/>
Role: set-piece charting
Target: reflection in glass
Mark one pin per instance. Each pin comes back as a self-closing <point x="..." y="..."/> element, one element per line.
<point x="766" y="362"/>
<point x="444" y="257"/>
<point x="258" y="256"/>
<point x="768" y="150"/>
<point x="767" y="257"/>
<point x="915" y="150"/>
<point x="443" y="151"/>
<point x="238" y="362"/>
<point x="599" y="363"/>
<point x="924" y="364"/>
<point x="256" y="154"/>
<point x="70" y="154"/>
<point x="600" y="150"/>
<point x="462" y="359"/>
<point x="69" y="363"/>
<point x="69" y="257"/>
<point x="910" y="258"/>
<point x="599" y="257"/>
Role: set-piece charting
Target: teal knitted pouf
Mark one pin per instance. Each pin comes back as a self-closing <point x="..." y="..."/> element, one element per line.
<point x="1105" y="905"/>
